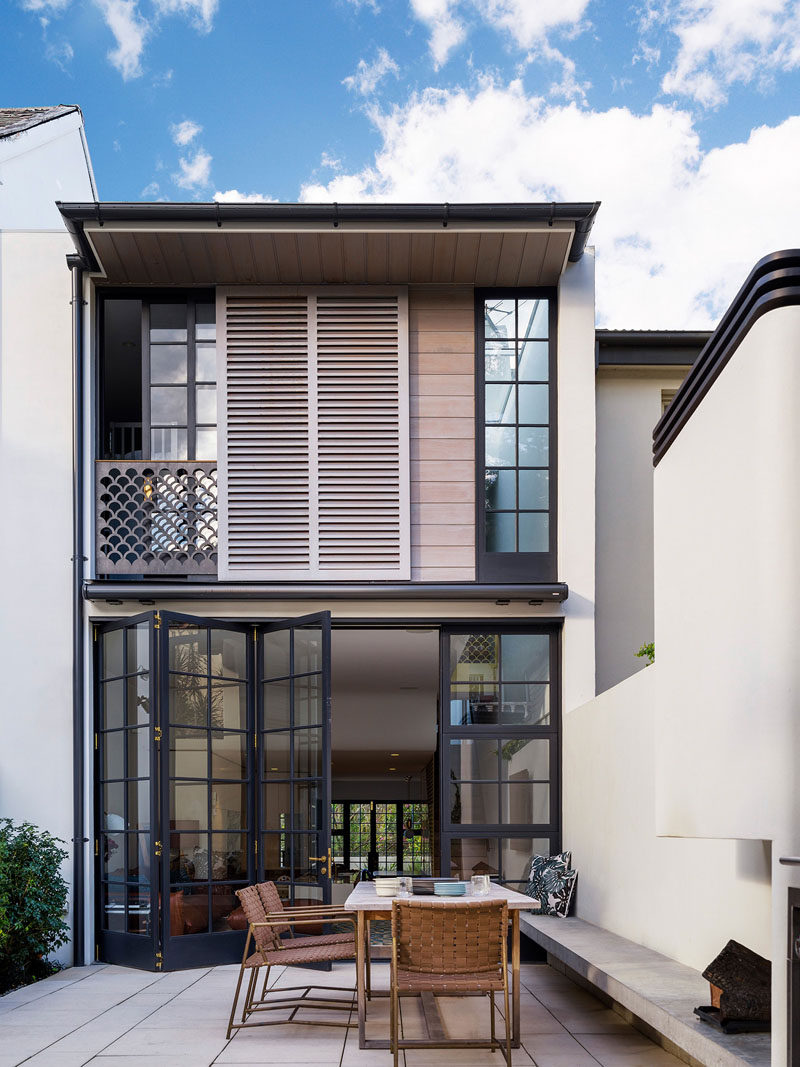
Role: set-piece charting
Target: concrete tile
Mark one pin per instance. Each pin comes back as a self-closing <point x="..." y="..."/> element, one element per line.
<point x="58" y="1059"/>
<point x="627" y="1050"/>
<point x="201" y="1042"/>
<point x="292" y="1043"/>
<point x="604" y="1021"/>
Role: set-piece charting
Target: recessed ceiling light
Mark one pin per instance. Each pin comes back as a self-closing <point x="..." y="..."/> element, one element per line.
<point x="273" y="768"/>
<point x="393" y="768"/>
<point x="394" y="753"/>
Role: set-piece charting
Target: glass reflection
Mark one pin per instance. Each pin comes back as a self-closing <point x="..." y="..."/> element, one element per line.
<point x="525" y="657"/>
<point x="229" y="705"/>
<point x="188" y="649"/>
<point x="228" y="654"/>
<point x="275" y="659"/>
<point x="474" y="855"/>
<point x="228" y="755"/>
<point x="188" y="753"/>
<point x="526" y="705"/>
<point x="112" y="697"/>
<point x="112" y="654"/>
<point x="277" y="749"/>
<point x="474" y="802"/>
<point x="188" y="700"/>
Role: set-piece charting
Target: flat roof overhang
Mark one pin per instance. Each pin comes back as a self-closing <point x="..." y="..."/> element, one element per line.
<point x="117" y="592"/>
<point x="207" y="244"/>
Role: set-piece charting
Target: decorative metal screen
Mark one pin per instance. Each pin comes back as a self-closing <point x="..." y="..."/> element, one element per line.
<point x="156" y="517"/>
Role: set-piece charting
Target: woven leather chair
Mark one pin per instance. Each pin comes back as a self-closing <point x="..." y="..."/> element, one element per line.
<point x="271" y="931"/>
<point x="449" y="949"/>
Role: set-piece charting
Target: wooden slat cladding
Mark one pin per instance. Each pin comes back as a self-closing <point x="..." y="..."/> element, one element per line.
<point x="314" y="457"/>
<point x="442" y="355"/>
<point x="359" y="433"/>
<point x="268" y="485"/>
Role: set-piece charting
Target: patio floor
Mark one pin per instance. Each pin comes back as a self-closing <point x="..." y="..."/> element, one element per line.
<point x="109" y="1016"/>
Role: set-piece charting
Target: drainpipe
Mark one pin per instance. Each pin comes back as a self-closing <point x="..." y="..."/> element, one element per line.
<point x="76" y="265"/>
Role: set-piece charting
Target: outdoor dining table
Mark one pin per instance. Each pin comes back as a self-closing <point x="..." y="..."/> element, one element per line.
<point x="367" y="905"/>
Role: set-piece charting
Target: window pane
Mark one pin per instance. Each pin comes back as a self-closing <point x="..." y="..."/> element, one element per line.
<point x="533" y="318"/>
<point x="276" y="754"/>
<point x="500" y="361"/>
<point x="188" y="700"/>
<point x="307" y="801"/>
<point x="276" y="801"/>
<point x="169" y="444"/>
<point x="308" y="700"/>
<point x="138" y="699"/>
<point x="474" y="657"/>
<point x="534" y="446"/>
<point x="526" y="756"/>
<point x="534" y="360"/>
<point x="228" y="806"/>
<point x="525" y="657"/>
<point x="500" y="531"/>
<point x="167" y="406"/>
<point x="228" y="654"/>
<point x="188" y="649"/>
<point x="472" y="803"/>
<point x="188" y="808"/>
<point x="228" y="754"/>
<point x="206" y="363"/>
<point x="228" y="858"/>
<point x="114" y="806"/>
<point x="525" y="803"/>
<point x="188" y="753"/>
<point x="138" y="648"/>
<point x="112" y="654"/>
<point x="114" y="755"/>
<point x="276" y="653"/>
<point x="534" y="489"/>
<point x="205" y="322"/>
<point x="499" y="318"/>
<point x="188" y="857"/>
<point x="112" y="697"/>
<point x="206" y="443"/>
<point x="277" y="709"/>
<point x="534" y="531"/>
<point x="474" y="855"/>
<point x="533" y="403"/>
<point x="308" y="753"/>
<point x="307" y="649"/>
<point x="167" y="364"/>
<point x="500" y="451"/>
<point x="168" y="322"/>
<point x="138" y="753"/>
<point x="207" y="402"/>
<point x="474" y="705"/>
<point x="474" y="759"/>
<point x="516" y="857"/>
<point x="501" y="405"/>
<point x="229" y="705"/>
<point x="526" y="705"/>
<point x="501" y="489"/>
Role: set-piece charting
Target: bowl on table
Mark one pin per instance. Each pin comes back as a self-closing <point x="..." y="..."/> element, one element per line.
<point x="449" y="889"/>
<point x="386" y="887"/>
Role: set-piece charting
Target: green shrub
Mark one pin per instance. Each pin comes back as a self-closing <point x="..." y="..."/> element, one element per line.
<point x="32" y="899"/>
<point x="648" y="650"/>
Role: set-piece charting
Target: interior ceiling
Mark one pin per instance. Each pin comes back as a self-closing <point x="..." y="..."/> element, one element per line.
<point x="228" y="256"/>
<point x="385" y="686"/>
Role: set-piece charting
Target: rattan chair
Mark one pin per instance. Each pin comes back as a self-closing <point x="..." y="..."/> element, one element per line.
<point x="271" y="930"/>
<point x="449" y="950"/>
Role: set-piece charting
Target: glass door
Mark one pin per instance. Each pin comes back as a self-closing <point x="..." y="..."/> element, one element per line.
<point x="125" y="744"/>
<point x="294" y="758"/>
<point x="207" y="763"/>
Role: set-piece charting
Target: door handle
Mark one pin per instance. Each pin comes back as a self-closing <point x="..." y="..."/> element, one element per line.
<point x="326" y="859"/>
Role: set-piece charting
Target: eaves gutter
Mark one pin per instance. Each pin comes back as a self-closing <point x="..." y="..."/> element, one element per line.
<point x="773" y="283"/>
<point x="116" y="592"/>
<point x="648" y="348"/>
<point x="76" y="215"/>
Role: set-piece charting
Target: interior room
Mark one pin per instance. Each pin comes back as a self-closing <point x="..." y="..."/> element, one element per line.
<point x="385" y="692"/>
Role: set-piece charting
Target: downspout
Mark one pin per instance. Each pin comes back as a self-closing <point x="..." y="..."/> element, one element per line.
<point x="76" y="265"/>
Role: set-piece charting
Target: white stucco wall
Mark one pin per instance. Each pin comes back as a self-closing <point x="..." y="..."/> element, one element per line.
<point x="684" y="898"/>
<point x="39" y="166"/>
<point x="36" y="531"/>
<point x="576" y="476"/>
<point x="628" y="407"/>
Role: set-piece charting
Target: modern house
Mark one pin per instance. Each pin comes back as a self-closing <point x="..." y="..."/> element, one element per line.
<point x="333" y="547"/>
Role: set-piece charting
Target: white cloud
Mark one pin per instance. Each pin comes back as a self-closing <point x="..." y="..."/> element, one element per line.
<point x="677" y="231"/>
<point x="150" y="191"/>
<point x="130" y="31"/>
<point x="53" y="6"/>
<point x="528" y="22"/>
<point x="327" y="160"/>
<point x="201" y="12"/>
<point x="447" y="30"/>
<point x="184" y="132"/>
<point x="722" y="42"/>
<point x="233" y="196"/>
<point x="61" y="54"/>
<point x="371" y="4"/>
<point x="369" y="75"/>
<point x="194" y="173"/>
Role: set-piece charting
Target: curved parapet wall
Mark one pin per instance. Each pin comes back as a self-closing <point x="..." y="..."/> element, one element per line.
<point x="774" y="282"/>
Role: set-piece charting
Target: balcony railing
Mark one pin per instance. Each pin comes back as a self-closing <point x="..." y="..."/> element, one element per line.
<point x="156" y="517"/>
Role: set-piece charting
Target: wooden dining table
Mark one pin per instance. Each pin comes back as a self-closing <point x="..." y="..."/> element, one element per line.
<point x="368" y="906"/>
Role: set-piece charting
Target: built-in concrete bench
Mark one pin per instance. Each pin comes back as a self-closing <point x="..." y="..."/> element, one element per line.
<point x="652" y="991"/>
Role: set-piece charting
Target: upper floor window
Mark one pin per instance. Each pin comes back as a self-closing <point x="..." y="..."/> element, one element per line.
<point x="516" y="409"/>
<point x="159" y="378"/>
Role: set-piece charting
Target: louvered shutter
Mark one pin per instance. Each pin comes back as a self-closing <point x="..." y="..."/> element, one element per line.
<point x="313" y="460"/>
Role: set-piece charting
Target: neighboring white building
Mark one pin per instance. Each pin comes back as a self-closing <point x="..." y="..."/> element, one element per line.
<point x="349" y="555"/>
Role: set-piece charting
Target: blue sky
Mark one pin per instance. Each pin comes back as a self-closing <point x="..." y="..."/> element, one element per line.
<point x="682" y="117"/>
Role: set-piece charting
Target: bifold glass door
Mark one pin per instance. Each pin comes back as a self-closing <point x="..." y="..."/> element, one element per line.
<point x="212" y="771"/>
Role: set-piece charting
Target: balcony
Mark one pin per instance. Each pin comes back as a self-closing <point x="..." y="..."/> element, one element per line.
<point x="156" y="517"/>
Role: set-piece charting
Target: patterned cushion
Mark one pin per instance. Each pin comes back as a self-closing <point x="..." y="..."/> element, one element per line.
<point x="552" y="883"/>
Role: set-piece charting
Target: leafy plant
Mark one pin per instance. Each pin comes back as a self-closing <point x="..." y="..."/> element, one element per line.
<point x="648" y="650"/>
<point x="33" y="896"/>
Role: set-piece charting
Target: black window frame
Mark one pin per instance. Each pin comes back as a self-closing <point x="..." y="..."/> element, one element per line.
<point x="515" y="566"/>
<point x="147" y="297"/>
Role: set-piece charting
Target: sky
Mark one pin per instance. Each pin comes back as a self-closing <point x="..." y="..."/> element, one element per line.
<point x="682" y="116"/>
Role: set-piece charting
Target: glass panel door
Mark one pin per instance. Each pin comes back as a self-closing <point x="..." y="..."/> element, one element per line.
<point x="125" y="819"/>
<point x="294" y="755"/>
<point x="207" y="760"/>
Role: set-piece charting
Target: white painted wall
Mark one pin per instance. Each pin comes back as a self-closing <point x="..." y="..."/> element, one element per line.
<point x="576" y="476"/>
<point x="36" y="531"/>
<point x="684" y="898"/>
<point x="628" y="407"/>
<point x="727" y="571"/>
<point x="39" y="166"/>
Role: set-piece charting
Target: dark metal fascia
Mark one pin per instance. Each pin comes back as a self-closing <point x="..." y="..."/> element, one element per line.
<point x="554" y="592"/>
<point x="774" y="282"/>
<point x="84" y="249"/>
<point x="582" y="215"/>
<point x="649" y="348"/>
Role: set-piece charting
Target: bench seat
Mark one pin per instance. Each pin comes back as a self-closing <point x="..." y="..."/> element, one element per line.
<point x="655" y="992"/>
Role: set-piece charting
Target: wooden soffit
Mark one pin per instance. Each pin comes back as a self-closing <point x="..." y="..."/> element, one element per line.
<point x="504" y="255"/>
